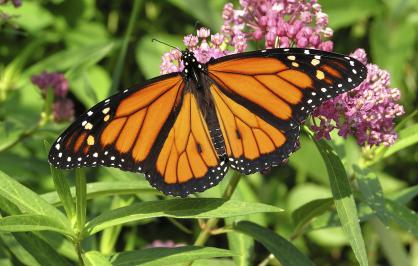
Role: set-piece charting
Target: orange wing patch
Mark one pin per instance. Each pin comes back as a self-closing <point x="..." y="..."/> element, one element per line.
<point x="140" y="117"/>
<point x="267" y="82"/>
<point x="188" y="151"/>
<point x="250" y="66"/>
<point x="246" y="134"/>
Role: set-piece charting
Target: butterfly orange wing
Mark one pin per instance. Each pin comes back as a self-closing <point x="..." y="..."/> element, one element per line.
<point x="188" y="161"/>
<point x="262" y="97"/>
<point x="123" y="131"/>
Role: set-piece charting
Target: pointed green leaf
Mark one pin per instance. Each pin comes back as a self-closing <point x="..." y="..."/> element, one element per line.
<point x="95" y="258"/>
<point x="282" y="249"/>
<point x="387" y="210"/>
<point x="28" y="201"/>
<point x="176" y="208"/>
<point x="305" y="213"/>
<point x="404" y="196"/>
<point x="403" y="216"/>
<point x="407" y="137"/>
<point x="391" y="244"/>
<point x="18" y="251"/>
<point x="167" y="256"/>
<point x="344" y="200"/>
<point x="41" y="251"/>
<point x="32" y="222"/>
<point x="63" y="191"/>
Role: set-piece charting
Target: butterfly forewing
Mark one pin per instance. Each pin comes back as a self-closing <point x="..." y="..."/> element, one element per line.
<point x="285" y="85"/>
<point x="123" y="130"/>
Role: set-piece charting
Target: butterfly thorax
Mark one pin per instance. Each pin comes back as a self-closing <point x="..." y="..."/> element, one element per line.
<point x="192" y="69"/>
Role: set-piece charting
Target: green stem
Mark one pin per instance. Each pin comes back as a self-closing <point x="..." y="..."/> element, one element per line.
<point x="80" y="205"/>
<point x="211" y="223"/>
<point x="79" y="252"/>
<point x="121" y="58"/>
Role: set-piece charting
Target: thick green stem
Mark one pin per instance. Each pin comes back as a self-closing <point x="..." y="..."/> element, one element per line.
<point x="79" y="253"/>
<point x="121" y="58"/>
<point x="80" y="205"/>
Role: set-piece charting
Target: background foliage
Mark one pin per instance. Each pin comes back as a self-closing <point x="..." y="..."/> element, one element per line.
<point x="304" y="213"/>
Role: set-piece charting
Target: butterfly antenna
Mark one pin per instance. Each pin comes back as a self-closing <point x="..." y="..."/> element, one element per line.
<point x="165" y="44"/>
<point x="197" y="24"/>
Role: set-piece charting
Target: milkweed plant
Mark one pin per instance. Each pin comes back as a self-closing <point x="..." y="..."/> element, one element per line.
<point x="347" y="197"/>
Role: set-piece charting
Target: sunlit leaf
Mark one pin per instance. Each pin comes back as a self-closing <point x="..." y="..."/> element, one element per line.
<point x="32" y="222"/>
<point x="176" y="208"/>
<point x="282" y="249"/>
<point x="344" y="200"/>
<point x="167" y="256"/>
<point x="95" y="258"/>
<point x="28" y="201"/>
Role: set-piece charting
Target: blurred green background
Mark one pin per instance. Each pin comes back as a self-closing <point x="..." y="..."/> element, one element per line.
<point x="86" y="40"/>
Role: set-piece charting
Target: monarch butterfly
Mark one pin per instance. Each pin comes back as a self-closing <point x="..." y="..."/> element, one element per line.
<point x="184" y="130"/>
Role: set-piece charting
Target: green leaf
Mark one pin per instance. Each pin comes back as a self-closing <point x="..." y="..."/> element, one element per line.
<point x="148" y="54"/>
<point x="41" y="251"/>
<point x="204" y="11"/>
<point x="31" y="16"/>
<point x="167" y="256"/>
<point x="372" y="192"/>
<point x="75" y="58"/>
<point x="91" y="85"/>
<point x="217" y="262"/>
<point x="110" y="236"/>
<point x="282" y="249"/>
<point x="18" y="251"/>
<point x="95" y="258"/>
<point x="391" y="244"/>
<point x="403" y="216"/>
<point x="344" y="200"/>
<point x="394" y="49"/>
<point x="407" y="137"/>
<point x="404" y="196"/>
<point x="28" y="201"/>
<point x="341" y="15"/>
<point x="32" y="222"/>
<point x="101" y="189"/>
<point x="387" y="210"/>
<point x="63" y="191"/>
<point x="176" y="208"/>
<point x="305" y="213"/>
<point x="61" y="244"/>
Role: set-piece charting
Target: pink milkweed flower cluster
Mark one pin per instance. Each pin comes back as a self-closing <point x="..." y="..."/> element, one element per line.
<point x="367" y="112"/>
<point x="63" y="107"/>
<point x="204" y="46"/>
<point x="287" y="23"/>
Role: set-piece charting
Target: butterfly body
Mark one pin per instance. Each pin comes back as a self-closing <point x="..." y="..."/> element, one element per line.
<point x="184" y="130"/>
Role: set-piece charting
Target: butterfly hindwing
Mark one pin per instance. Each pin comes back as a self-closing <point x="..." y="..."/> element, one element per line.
<point x="252" y="144"/>
<point x="188" y="161"/>
<point x="123" y="130"/>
